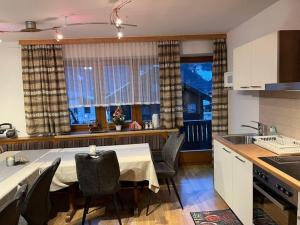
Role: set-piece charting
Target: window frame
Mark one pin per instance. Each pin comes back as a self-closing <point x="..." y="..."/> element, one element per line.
<point x="196" y="59"/>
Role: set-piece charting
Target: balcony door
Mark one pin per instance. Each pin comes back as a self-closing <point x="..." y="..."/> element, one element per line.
<point x="196" y="73"/>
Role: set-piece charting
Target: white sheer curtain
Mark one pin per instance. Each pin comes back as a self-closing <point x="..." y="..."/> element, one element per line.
<point x="107" y="74"/>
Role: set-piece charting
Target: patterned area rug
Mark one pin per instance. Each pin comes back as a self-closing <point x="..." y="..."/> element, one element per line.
<point x="227" y="217"/>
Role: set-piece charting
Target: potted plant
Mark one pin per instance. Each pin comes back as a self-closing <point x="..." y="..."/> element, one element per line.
<point x="118" y="118"/>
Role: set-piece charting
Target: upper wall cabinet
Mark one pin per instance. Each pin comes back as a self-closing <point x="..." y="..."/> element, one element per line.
<point x="255" y="63"/>
<point x="269" y="59"/>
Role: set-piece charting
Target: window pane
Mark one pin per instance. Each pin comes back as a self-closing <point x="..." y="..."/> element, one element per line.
<point x="82" y="115"/>
<point x="149" y="110"/>
<point x="111" y="109"/>
<point x="197" y="90"/>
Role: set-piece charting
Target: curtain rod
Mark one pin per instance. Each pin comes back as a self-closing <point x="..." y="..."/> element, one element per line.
<point x="125" y="39"/>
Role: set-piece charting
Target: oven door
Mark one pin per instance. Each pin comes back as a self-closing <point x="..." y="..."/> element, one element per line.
<point x="269" y="206"/>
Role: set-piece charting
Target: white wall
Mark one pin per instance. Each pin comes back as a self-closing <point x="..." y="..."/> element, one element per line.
<point x="243" y="108"/>
<point x="11" y="89"/>
<point x="282" y="15"/>
<point x="201" y="47"/>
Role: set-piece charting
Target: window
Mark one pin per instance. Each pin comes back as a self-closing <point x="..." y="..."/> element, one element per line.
<point x="148" y="110"/>
<point x="126" y="110"/>
<point x="111" y="74"/>
<point x="82" y="115"/>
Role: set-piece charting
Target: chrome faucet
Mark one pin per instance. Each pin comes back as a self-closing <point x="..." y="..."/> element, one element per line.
<point x="261" y="128"/>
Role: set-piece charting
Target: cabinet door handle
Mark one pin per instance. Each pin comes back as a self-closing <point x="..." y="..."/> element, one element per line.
<point x="243" y="161"/>
<point x="256" y="86"/>
<point x="244" y="87"/>
<point x="226" y="150"/>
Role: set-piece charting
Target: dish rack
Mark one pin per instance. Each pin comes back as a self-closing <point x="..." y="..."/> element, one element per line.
<point x="278" y="144"/>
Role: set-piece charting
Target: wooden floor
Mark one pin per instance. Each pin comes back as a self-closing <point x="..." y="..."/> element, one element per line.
<point x="195" y="185"/>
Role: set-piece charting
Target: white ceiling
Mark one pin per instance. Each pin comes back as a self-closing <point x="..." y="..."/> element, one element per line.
<point x="153" y="17"/>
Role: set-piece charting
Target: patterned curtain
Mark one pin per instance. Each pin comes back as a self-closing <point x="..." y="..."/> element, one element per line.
<point x="171" y="110"/>
<point x="220" y="93"/>
<point x="45" y="97"/>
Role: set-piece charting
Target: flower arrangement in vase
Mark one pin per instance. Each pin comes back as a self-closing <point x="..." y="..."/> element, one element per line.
<point x="118" y="118"/>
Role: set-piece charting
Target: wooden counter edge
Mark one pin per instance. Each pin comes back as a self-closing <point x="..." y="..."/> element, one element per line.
<point x="255" y="160"/>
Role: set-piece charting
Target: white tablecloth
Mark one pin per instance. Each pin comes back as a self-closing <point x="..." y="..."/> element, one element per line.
<point x="10" y="177"/>
<point x="135" y="164"/>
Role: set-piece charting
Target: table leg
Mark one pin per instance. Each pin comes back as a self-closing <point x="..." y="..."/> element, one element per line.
<point x="136" y="200"/>
<point x="72" y="204"/>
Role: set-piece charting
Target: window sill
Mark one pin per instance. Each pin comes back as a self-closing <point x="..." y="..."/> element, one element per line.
<point x="80" y="135"/>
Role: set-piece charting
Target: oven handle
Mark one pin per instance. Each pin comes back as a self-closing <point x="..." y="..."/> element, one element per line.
<point x="278" y="202"/>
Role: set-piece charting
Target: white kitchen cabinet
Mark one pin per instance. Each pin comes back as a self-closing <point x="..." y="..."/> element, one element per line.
<point x="264" y="61"/>
<point x="233" y="180"/>
<point x="242" y="65"/>
<point x="256" y="63"/>
<point x="223" y="172"/>
<point x="242" y="188"/>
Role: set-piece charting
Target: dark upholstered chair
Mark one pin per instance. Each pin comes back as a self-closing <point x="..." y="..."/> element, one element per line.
<point x="10" y="212"/>
<point x="98" y="176"/>
<point x="166" y="167"/>
<point x="36" y="208"/>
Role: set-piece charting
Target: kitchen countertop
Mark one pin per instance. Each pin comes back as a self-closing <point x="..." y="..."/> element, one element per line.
<point x="252" y="152"/>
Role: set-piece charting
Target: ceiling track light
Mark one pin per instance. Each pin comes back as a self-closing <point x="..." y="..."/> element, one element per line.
<point x="115" y="20"/>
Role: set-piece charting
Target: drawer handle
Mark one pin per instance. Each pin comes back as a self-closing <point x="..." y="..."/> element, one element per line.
<point x="244" y="87"/>
<point x="243" y="161"/>
<point x="226" y="150"/>
<point x="256" y="86"/>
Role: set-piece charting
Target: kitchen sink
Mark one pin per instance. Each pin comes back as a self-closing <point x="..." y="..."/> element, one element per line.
<point x="240" y="138"/>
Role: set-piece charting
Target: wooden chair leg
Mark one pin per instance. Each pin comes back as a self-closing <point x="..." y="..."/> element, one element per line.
<point x="176" y="192"/>
<point x="167" y="182"/>
<point x="86" y="209"/>
<point x="117" y="208"/>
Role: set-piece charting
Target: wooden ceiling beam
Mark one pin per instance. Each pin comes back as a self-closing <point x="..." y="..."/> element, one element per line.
<point x="125" y="39"/>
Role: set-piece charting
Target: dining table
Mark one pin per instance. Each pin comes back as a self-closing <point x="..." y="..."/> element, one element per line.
<point x="135" y="161"/>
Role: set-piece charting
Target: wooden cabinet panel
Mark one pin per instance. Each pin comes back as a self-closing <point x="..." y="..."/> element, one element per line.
<point x="289" y="56"/>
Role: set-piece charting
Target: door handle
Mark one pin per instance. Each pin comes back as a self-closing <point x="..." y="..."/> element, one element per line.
<point x="226" y="150"/>
<point x="244" y="87"/>
<point x="243" y="161"/>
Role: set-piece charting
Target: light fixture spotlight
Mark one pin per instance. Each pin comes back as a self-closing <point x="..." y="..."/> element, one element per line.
<point x="58" y="35"/>
<point x="118" y="22"/>
<point x="119" y="34"/>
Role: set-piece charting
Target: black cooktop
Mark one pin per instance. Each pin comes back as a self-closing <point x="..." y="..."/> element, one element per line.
<point x="287" y="164"/>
